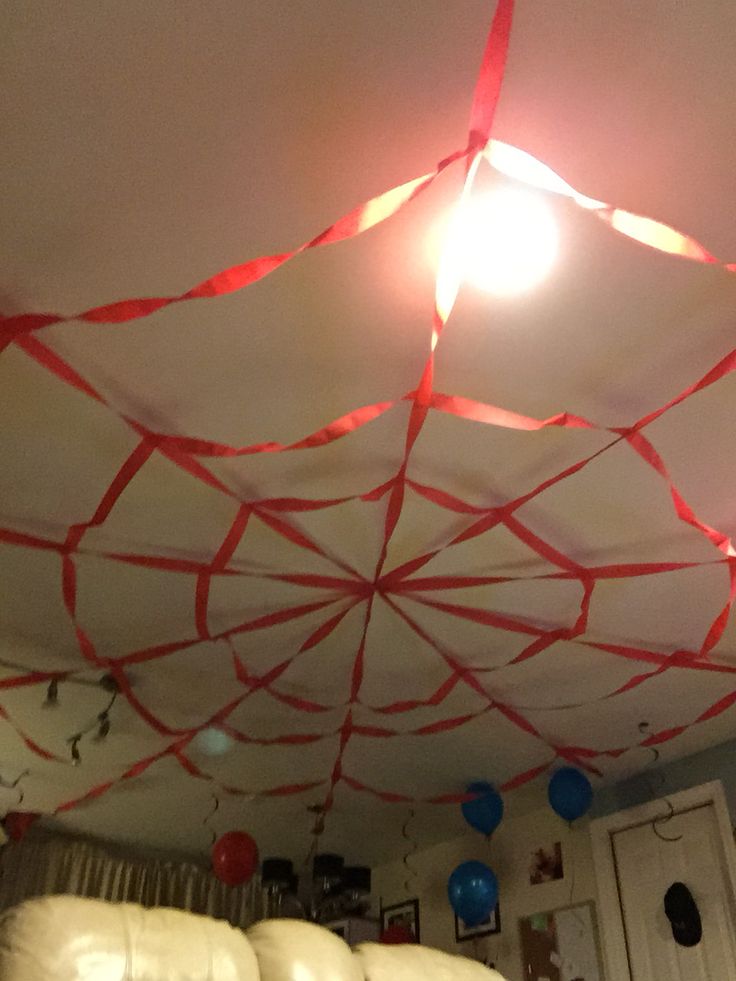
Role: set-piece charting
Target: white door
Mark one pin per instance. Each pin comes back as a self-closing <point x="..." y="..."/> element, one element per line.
<point x="646" y="867"/>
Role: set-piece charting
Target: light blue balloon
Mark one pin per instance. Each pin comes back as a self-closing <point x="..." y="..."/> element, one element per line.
<point x="473" y="892"/>
<point x="570" y="793"/>
<point x="486" y="811"/>
<point x="212" y="742"/>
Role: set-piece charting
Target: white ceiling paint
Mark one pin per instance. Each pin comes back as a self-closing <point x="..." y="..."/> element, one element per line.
<point x="146" y="146"/>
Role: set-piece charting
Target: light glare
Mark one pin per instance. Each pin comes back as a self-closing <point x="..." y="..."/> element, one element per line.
<point x="503" y="241"/>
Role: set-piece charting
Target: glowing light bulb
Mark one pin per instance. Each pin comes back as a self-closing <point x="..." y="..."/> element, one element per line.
<point x="503" y="241"/>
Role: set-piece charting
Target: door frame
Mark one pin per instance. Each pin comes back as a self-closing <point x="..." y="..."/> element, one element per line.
<point x="611" y="924"/>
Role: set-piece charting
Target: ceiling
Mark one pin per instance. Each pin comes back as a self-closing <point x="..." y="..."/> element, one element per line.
<point x="146" y="146"/>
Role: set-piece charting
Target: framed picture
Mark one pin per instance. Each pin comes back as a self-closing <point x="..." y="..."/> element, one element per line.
<point x="491" y="924"/>
<point x="562" y="943"/>
<point x="404" y="914"/>
<point x="340" y="927"/>
<point x="545" y="864"/>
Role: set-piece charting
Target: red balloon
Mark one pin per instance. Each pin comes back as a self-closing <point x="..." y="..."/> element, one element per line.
<point x="234" y="858"/>
<point x="398" y="933"/>
<point x="17" y="823"/>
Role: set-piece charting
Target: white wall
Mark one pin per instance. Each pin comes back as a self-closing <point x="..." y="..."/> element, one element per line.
<point x="508" y="854"/>
<point x="715" y="763"/>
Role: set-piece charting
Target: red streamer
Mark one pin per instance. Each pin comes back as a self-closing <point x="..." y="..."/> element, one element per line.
<point x="348" y="587"/>
<point x="365" y="216"/>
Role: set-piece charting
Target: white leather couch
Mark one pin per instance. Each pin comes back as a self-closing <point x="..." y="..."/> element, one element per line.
<point x="64" y="938"/>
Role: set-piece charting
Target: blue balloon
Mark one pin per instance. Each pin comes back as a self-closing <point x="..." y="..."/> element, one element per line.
<point x="570" y="793"/>
<point x="485" y="812"/>
<point x="473" y="892"/>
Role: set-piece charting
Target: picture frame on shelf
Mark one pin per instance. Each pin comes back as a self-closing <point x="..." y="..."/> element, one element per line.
<point x="492" y="924"/>
<point x="404" y="914"/>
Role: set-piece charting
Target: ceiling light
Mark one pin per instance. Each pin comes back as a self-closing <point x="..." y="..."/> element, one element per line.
<point x="502" y="241"/>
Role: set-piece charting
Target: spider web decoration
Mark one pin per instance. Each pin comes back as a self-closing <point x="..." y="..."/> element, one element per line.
<point x="418" y="601"/>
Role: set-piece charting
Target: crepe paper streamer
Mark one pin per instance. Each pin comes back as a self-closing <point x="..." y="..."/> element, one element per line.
<point x="450" y="269"/>
<point x="351" y="588"/>
<point x="29" y="743"/>
<point x="522" y="166"/>
<point x="656" y="235"/>
<point x="666" y="735"/>
<point x="507" y="159"/>
<point x="359" y="220"/>
<point x="177" y="447"/>
<point x="441" y="725"/>
<point x="484" y="106"/>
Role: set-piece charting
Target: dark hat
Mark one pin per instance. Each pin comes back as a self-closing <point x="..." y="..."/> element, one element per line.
<point x="682" y="912"/>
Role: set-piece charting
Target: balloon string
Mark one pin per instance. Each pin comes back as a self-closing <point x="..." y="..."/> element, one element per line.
<point x="11" y="785"/>
<point x="16" y="785"/>
<point x="317" y="831"/>
<point x="208" y="818"/>
<point x="644" y="730"/>
<point x="664" y="820"/>
<point x="492" y="960"/>
<point x="312" y="850"/>
<point x="572" y="871"/>
<point x="410" y="870"/>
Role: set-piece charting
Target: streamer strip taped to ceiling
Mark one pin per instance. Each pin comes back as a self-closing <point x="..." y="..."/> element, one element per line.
<point x="347" y="588"/>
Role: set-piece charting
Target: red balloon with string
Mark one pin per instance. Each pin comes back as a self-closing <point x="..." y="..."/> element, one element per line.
<point x="18" y="823"/>
<point x="234" y="858"/>
<point x="397" y="933"/>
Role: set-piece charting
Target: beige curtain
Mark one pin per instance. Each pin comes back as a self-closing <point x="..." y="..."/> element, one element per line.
<point x="43" y="865"/>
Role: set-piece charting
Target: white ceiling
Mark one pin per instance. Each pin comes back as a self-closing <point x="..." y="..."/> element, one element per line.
<point x="146" y="146"/>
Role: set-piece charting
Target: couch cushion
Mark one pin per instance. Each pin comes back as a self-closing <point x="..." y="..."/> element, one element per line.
<point x="411" y="962"/>
<point x="293" y="950"/>
<point x="73" y="939"/>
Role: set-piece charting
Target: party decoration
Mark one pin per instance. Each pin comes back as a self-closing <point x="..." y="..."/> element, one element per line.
<point x="101" y="723"/>
<point x="570" y="793"/>
<point x="333" y="597"/>
<point x="234" y="858"/>
<point x="52" y="694"/>
<point x="15" y="784"/>
<point x="412" y="849"/>
<point x="212" y="742"/>
<point x="473" y="892"/>
<point x="397" y="933"/>
<point x="485" y="811"/>
<point x="17" y="824"/>
<point x="206" y="822"/>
